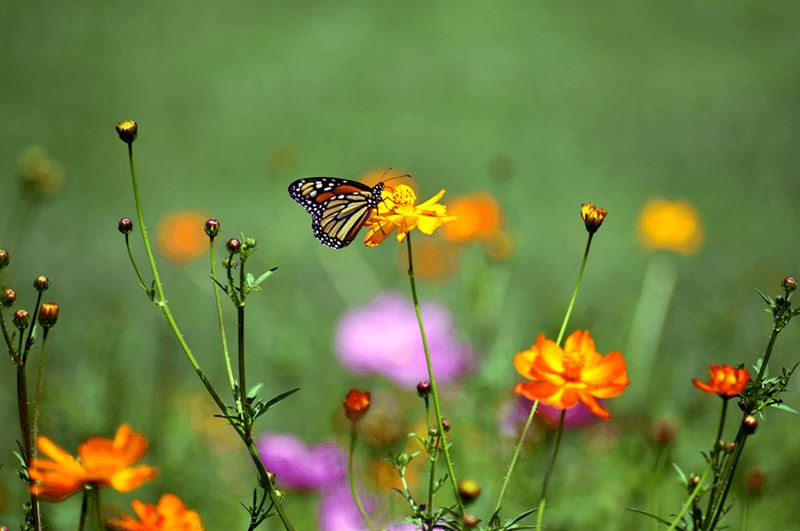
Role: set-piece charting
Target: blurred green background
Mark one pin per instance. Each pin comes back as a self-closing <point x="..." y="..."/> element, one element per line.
<point x="604" y="101"/>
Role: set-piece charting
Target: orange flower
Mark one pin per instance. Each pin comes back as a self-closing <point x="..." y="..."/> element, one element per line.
<point x="356" y="404"/>
<point x="103" y="462"/>
<point x="671" y="225"/>
<point x="181" y="236"/>
<point x="592" y="216"/>
<point x="169" y="515"/>
<point x="725" y="380"/>
<point x="479" y="217"/>
<point x="562" y="377"/>
<point x="398" y="211"/>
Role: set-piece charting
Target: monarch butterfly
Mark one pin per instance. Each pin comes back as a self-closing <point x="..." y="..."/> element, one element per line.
<point x="338" y="207"/>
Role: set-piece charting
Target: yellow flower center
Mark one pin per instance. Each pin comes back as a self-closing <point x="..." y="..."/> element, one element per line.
<point x="404" y="196"/>
<point x="573" y="366"/>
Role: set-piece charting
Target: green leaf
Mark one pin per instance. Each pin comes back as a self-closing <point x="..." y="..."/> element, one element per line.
<point x="280" y="397"/>
<point x="264" y="276"/>
<point x="766" y="299"/>
<point x="249" y="280"/>
<point x="519" y="517"/>
<point x="784" y="407"/>
<point x="253" y="392"/>
<point x="681" y="474"/>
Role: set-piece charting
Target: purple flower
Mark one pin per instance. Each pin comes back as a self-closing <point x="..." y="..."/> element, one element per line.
<point x="576" y="417"/>
<point x="339" y="512"/>
<point x="300" y="467"/>
<point x="382" y="337"/>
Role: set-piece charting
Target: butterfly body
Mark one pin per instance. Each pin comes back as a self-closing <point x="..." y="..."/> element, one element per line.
<point x="339" y="208"/>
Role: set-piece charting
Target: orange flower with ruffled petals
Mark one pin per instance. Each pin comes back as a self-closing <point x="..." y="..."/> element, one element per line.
<point x="398" y="212"/>
<point x="562" y="377"/>
<point x="169" y="515"/>
<point x="102" y="462"/>
<point x="725" y="380"/>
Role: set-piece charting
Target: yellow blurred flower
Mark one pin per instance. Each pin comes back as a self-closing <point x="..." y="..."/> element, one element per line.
<point x="434" y="260"/>
<point x="181" y="236"/>
<point x="671" y="225"/>
<point x="479" y="217"/>
<point x="40" y="175"/>
<point x="398" y="211"/>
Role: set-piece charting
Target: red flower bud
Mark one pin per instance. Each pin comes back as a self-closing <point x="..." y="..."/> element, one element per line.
<point x="233" y="245"/>
<point x="749" y="424"/>
<point x="356" y="404"/>
<point x="7" y="297"/>
<point x="789" y="284"/>
<point x="212" y="228"/>
<point x="21" y="319"/>
<point x="125" y="225"/>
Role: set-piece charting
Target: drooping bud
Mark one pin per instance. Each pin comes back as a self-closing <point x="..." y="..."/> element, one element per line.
<point x="468" y="490"/>
<point x="212" y="227"/>
<point x="424" y="388"/>
<point x="41" y="283"/>
<point x="127" y="131"/>
<point x="233" y="245"/>
<point x="21" y="319"/>
<point x="125" y="225"/>
<point x="356" y="404"/>
<point x="7" y="297"/>
<point x="592" y="216"/>
<point x="4" y="258"/>
<point x="445" y="424"/>
<point x="48" y="314"/>
<point x="789" y="284"/>
<point x="749" y="424"/>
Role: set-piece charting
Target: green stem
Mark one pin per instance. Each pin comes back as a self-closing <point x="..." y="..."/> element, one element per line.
<point x="29" y="341"/>
<point x="37" y="396"/>
<point x="135" y="265"/>
<point x="431" y="460"/>
<point x="715" y="453"/>
<point x="25" y="430"/>
<point x="434" y="388"/>
<point x="90" y="510"/>
<point x="351" y="478"/>
<point x="690" y="499"/>
<point x="550" y="465"/>
<point x="767" y="353"/>
<point x="240" y="339"/>
<point x="9" y="343"/>
<point x="162" y="304"/>
<point x="536" y="403"/>
<point x="222" y="336"/>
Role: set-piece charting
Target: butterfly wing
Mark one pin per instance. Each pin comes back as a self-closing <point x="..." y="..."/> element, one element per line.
<point x="338" y="207"/>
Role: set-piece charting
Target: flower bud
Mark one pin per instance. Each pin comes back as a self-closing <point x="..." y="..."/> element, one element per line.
<point x="663" y="432"/>
<point x="356" y="404"/>
<point x="424" y="388"/>
<point x="694" y="480"/>
<point x="7" y="297"/>
<point x="127" y="131"/>
<point x="21" y="319"/>
<point x="445" y="425"/>
<point x="789" y="284"/>
<point x="226" y="263"/>
<point x="250" y="243"/>
<point x="592" y="216"/>
<point x="749" y="424"/>
<point x="41" y="283"/>
<point x="48" y="314"/>
<point x="4" y="258"/>
<point x="212" y="227"/>
<point x="468" y="490"/>
<point x="433" y="431"/>
<point x="233" y="245"/>
<point x="125" y="225"/>
<point x="731" y="446"/>
<point x="470" y="520"/>
<point x="755" y="480"/>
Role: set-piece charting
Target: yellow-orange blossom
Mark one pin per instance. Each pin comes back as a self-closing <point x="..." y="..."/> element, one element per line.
<point x="562" y="377"/>
<point x="398" y="212"/>
<point x="169" y="515"/>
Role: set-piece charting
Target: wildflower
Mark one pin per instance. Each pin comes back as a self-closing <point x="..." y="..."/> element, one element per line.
<point x="592" y="216"/>
<point x="300" y="467"/>
<point x="423" y="388"/>
<point x="479" y="217"/>
<point x="181" y="236"/>
<point x="725" y="380"/>
<point x="382" y="337"/>
<point x="576" y="373"/>
<point x="127" y="131"/>
<point x="169" y="515"/>
<point x="515" y="416"/>
<point x="48" y="314"/>
<point x="398" y="212"/>
<point x="671" y="225"/>
<point x="103" y="462"/>
<point x="356" y="404"/>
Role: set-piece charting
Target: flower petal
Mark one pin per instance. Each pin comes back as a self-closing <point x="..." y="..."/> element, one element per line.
<point x="579" y="341"/>
<point x="128" y="479"/>
<point x="594" y="406"/>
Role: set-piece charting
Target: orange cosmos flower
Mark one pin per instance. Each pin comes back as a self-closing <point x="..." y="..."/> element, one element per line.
<point x="671" y="225"/>
<point x="725" y="381"/>
<point x="181" y="236"/>
<point x="103" y="462"/>
<point x="479" y="217"/>
<point x="169" y="515"/>
<point x="398" y="211"/>
<point x="356" y="404"/>
<point x="562" y="377"/>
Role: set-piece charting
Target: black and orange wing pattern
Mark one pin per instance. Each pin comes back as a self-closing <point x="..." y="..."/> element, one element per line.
<point x="338" y="207"/>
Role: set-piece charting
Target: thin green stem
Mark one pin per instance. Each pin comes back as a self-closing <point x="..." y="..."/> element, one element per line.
<point x="431" y="459"/>
<point x="37" y="396"/>
<point x="25" y="430"/>
<point x="240" y="328"/>
<point x="549" y="470"/>
<point x="351" y="478"/>
<point x="162" y="304"/>
<point x="715" y="453"/>
<point x="434" y="388"/>
<point x="9" y="342"/>
<point x="90" y="510"/>
<point x="767" y="353"/>
<point x="135" y="265"/>
<point x="29" y="341"/>
<point x="536" y="403"/>
<point x="222" y="336"/>
<point x="690" y="499"/>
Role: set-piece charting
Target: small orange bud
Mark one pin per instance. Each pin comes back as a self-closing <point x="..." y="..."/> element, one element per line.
<point x="41" y="283"/>
<point x="749" y="424"/>
<point x="48" y="314"/>
<point x="21" y="319"/>
<point x="4" y="258"/>
<point x="127" y="131"/>
<point x="592" y="216"/>
<point x="470" y="520"/>
<point x="468" y="490"/>
<point x="755" y="480"/>
<point x="7" y="297"/>
<point x="356" y="404"/>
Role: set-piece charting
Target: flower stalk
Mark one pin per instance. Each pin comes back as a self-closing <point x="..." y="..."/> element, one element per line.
<point x="351" y="478"/>
<point x="550" y="465"/>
